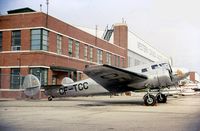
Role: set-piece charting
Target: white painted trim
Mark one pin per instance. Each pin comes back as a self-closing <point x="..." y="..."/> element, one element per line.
<point x="16" y="89"/>
<point x="62" y="35"/>
<point x="11" y="89"/>
<point x="39" y="66"/>
<point x="21" y="13"/>
<point x="19" y="51"/>
<point x="51" y="29"/>
<point x="83" y="41"/>
<point x="5" y="67"/>
<point x="27" y="28"/>
<point x="41" y="51"/>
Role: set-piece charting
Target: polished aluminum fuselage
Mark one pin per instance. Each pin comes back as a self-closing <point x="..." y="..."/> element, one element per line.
<point x="157" y="78"/>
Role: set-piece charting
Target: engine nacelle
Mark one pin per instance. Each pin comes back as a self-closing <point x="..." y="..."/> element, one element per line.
<point x="160" y="79"/>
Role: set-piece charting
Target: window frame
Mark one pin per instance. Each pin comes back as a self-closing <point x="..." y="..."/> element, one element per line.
<point x="77" y="49"/>
<point x="108" y="58"/>
<point x="41" y="37"/>
<point x="1" y="41"/>
<point x="59" y="44"/>
<point x="41" y="74"/>
<point x="144" y="70"/>
<point x="15" y="77"/>
<point x="91" y="54"/>
<point x="70" y="47"/>
<point x="99" y="56"/>
<point x="153" y="67"/>
<point x="86" y="52"/>
<point x="16" y="40"/>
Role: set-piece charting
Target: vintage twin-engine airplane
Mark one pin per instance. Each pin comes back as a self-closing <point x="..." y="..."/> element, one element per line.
<point x="106" y="79"/>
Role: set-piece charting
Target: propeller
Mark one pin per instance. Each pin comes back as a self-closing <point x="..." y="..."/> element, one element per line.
<point x="31" y="85"/>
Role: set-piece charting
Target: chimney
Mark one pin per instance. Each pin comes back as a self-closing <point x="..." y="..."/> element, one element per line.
<point x="121" y="35"/>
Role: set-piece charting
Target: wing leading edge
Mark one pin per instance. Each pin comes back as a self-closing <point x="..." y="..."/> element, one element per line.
<point x="112" y="78"/>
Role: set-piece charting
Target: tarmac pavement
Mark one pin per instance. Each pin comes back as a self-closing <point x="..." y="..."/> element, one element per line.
<point x="100" y="113"/>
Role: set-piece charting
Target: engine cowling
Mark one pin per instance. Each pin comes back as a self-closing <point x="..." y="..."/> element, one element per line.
<point x="162" y="78"/>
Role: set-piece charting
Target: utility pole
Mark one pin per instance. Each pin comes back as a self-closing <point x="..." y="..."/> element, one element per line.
<point x="96" y="29"/>
<point x="40" y="7"/>
<point x="47" y="2"/>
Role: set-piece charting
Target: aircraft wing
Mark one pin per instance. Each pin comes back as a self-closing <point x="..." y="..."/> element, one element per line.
<point x="112" y="78"/>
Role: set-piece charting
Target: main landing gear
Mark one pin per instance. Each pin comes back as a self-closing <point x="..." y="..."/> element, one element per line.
<point x="50" y="98"/>
<point x="161" y="98"/>
<point x="151" y="100"/>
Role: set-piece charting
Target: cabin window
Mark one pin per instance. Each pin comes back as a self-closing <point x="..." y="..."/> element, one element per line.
<point x="154" y="67"/>
<point x="144" y="70"/>
<point x="163" y="64"/>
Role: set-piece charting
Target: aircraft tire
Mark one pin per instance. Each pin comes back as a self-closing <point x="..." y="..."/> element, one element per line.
<point x="161" y="98"/>
<point x="50" y="98"/>
<point x="150" y="100"/>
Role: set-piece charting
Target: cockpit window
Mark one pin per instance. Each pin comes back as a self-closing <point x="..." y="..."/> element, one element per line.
<point x="144" y="70"/>
<point x="154" y="66"/>
<point x="164" y="64"/>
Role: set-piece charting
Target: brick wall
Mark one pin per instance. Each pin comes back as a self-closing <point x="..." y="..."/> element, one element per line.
<point x="26" y="58"/>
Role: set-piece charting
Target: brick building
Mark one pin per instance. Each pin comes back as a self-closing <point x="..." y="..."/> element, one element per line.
<point x="35" y="43"/>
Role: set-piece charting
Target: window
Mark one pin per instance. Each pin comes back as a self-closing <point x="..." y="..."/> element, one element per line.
<point x="108" y="58"/>
<point x="123" y="62"/>
<point x="154" y="67"/>
<point x="163" y="64"/>
<point x="54" y="80"/>
<point x="39" y="39"/>
<point x="99" y="56"/>
<point x="16" y="40"/>
<point x="1" y="41"/>
<point x="85" y="52"/>
<point x="77" y="49"/>
<point x="59" y="44"/>
<point x="0" y="78"/>
<point x="41" y="74"/>
<point x="144" y="70"/>
<point x="44" y="40"/>
<point x="118" y="59"/>
<point x="70" y="42"/>
<point x="115" y="60"/>
<point x="91" y="54"/>
<point x="15" y="78"/>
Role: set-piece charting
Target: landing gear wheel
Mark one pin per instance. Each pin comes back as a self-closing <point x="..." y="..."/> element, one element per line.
<point x="50" y="98"/>
<point x="161" y="98"/>
<point x="149" y="100"/>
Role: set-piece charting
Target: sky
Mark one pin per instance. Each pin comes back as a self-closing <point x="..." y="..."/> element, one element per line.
<point x="170" y="26"/>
